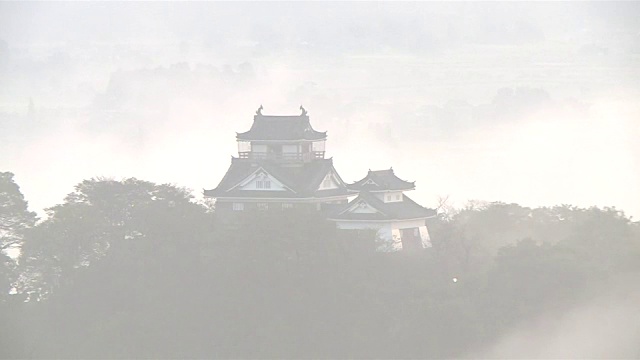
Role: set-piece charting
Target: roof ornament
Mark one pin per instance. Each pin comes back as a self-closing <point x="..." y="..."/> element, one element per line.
<point x="304" y="112"/>
<point x="259" y="112"/>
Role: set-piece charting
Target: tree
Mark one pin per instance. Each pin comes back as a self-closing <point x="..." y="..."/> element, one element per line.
<point x="111" y="265"/>
<point x="133" y="269"/>
<point x="107" y="217"/>
<point x="15" y="220"/>
<point x="15" y="217"/>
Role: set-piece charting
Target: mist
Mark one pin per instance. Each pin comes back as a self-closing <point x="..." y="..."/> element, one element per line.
<point x="158" y="90"/>
<point x="534" y="104"/>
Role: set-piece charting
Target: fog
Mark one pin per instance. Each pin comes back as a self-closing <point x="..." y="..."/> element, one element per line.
<point x="527" y="103"/>
<point x="604" y="327"/>
<point x="158" y="90"/>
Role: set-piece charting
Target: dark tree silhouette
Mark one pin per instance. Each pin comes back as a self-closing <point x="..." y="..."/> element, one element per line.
<point x="133" y="269"/>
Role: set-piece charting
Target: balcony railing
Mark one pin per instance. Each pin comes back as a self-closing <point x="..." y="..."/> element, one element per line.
<point x="282" y="157"/>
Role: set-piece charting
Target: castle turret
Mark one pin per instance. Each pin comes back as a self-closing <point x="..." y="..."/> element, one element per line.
<point x="284" y="139"/>
<point x="382" y="205"/>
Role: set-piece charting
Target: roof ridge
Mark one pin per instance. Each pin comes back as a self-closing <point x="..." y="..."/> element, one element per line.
<point x="287" y="116"/>
<point x="281" y="127"/>
<point x="383" y="171"/>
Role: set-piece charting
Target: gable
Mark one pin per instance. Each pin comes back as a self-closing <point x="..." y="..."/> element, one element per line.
<point x="362" y="207"/>
<point x="382" y="180"/>
<point x="370" y="182"/>
<point x="261" y="180"/>
<point x="330" y="181"/>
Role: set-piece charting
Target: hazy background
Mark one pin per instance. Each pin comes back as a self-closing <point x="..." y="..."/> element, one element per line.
<point x="516" y="102"/>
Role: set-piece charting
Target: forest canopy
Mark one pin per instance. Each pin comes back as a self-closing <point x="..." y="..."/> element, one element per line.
<point x="133" y="269"/>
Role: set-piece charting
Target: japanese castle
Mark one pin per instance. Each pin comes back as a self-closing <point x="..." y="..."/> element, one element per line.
<point x="281" y="165"/>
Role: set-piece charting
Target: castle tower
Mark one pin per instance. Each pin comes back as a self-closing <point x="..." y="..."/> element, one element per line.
<point x="280" y="165"/>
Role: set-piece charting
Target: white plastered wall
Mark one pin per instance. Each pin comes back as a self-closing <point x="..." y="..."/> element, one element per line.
<point x="290" y="149"/>
<point x="389" y="234"/>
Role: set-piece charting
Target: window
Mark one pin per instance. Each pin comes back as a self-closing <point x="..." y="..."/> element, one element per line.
<point x="263" y="181"/>
<point x="238" y="206"/>
<point x="393" y="197"/>
<point x="263" y="206"/>
<point x="263" y="184"/>
<point x="287" y="206"/>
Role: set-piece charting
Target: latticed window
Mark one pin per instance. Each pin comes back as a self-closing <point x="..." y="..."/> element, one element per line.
<point x="263" y="206"/>
<point x="238" y="206"/>
<point x="263" y="182"/>
<point x="287" y="206"/>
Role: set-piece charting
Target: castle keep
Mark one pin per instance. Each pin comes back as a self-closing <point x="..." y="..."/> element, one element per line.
<point x="281" y="165"/>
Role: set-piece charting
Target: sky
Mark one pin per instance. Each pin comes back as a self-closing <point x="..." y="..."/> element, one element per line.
<point x="531" y="103"/>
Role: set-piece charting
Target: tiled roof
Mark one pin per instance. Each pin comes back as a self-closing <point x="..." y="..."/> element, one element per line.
<point x="303" y="181"/>
<point x="401" y="210"/>
<point x="382" y="180"/>
<point x="295" y="127"/>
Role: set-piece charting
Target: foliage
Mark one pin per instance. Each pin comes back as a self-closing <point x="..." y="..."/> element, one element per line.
<point x="133" y="269"/>
<point x="15" y="220"/>
<point x="105" y="217"/>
